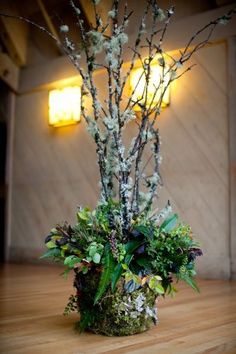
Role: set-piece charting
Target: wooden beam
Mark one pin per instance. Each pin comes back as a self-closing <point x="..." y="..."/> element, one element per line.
<point x="102" y="8"/>
<point x="232" y="148"/>
<point x="47" y="19"/>
<point x="13" y="33"/>
<point x="9" y="72"/>
<point x="9" y="172"/>
<point x="177" y="37"/>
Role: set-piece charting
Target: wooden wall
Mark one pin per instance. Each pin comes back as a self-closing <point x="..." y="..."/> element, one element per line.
<point x="195" y="165"/>
<point x="55" y="170"/>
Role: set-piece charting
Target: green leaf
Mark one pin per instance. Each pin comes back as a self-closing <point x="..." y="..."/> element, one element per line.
<point x="92" y="250"/>
<point x="119" y="270"/>
<point x="70" y="261"/>
<point x="66" y="272"/>
<point x="106" y="274"/>
<point x="155" y="285"/>
<point x="96" y="258"/>
<point x="54" y="231"/>
<point x="159" y="289"/>
<point x="143" y="230"/>
<point x="51" y="244"/>
<point x="83" y="214"/>
<point x="116" y="276"/>
<point x="143" y="262"/>
<point x="86" y="320"/>
<point x="84" y="269"/>
<point x="124" y="266"/>
<point x="137" y="279"/>
<point x="191" y="282"/>
<point x="131" y="246"/>
<point x="171" y="290"/>
<point x="52" y="253"/>
<point x="169" y="224"/>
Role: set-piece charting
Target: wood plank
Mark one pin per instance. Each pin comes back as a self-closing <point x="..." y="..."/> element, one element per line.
<point x="9" y="72"/>
<point x="33" y="297"/>
<point x="232" y="148"/>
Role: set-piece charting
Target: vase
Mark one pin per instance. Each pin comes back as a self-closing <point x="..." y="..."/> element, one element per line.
<point x="118" y="313"/>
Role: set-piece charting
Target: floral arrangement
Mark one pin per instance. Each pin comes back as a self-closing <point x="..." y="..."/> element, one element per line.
<point x="147" y="255"/>
<point x="125" y="253"/>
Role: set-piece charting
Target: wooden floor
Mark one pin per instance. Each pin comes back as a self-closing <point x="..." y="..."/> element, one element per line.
<point x="32" y="300"/>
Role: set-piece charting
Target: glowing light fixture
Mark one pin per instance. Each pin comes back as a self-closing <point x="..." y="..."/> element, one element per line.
<point x="137" y="83"/>
<point x="64" y="106"/>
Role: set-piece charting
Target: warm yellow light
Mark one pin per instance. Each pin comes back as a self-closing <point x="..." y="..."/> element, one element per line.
<point x="64" y="106"/>
<point x="137" y="80"/>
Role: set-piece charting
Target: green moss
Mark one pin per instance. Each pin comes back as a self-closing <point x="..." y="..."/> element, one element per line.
<point x="117" y="314"/>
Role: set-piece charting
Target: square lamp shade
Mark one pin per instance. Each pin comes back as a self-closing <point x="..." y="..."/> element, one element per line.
<point x="64" y="106"/>
<point x="137" y="83"/>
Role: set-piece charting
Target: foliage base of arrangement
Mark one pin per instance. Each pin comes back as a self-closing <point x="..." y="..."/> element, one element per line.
<point x="118" y="275"/>
<point x="117" y="314"/>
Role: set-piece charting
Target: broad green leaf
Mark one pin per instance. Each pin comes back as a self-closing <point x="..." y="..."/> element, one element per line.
<point x="54" y="231"/>
<point x="143" y="262"/>
<point x="116" y="276"/>
<point x="96" y="258"/>
<point x="131" y="246"/>
<point x="70" y="261"/>
<point x="55" y="237"/>
<point x="51" y="253"/>
<point x="155" y="285"/>
<point x="143" y="230"/>
<point x="169" y="224"/>
<point x="118" y="271"/>
<point x="159" y="289"/>
<point x="124" y="266"/>
<point x="83" y="214"/>
<point x="50" y="244"/>
<point x="106" y="274"/>
<point x="92" y="250"/>
<point x="128" y="277"/>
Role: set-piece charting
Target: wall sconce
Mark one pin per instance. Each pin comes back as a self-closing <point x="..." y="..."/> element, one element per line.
<point x="64" y="106"/>
<point x="155" y="77"/>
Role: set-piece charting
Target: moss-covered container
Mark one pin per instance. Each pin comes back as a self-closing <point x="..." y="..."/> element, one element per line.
<point x="117" y="314"/>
